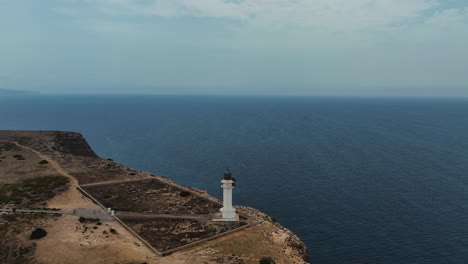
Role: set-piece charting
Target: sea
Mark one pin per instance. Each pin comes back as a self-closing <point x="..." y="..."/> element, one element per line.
<point x="359" y="180"/>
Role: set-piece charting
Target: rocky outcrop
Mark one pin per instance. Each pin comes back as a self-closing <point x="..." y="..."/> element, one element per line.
<point x="72" y="143"/>
<point x="50" y="142"/>
<point x="281" y="235"/>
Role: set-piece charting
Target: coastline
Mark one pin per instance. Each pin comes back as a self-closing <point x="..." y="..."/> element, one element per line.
<point x="77" y="160"/>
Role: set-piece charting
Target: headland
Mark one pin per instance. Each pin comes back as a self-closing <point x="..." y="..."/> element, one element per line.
<point x="54" y="181"/>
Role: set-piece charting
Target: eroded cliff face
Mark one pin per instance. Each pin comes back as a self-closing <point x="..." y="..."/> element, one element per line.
<point x="73" y="144"/>
<point x="49" y="142"/>
<point x="292" y="246"/>
<point x="74" y="156"/>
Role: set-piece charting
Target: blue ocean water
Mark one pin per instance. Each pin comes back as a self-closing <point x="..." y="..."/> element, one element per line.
<point x="360" y="180"/>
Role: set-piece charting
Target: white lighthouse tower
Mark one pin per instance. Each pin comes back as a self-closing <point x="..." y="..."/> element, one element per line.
<point x="228" y="182"/>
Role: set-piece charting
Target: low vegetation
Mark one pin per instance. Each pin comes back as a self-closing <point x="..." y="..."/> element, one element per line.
<point x="184" y="194"/>
<point x="18" y="157"/>
<point x="4" y="198"/>
<point x="151" y="195"/>
<point x="89" y="220"/>
<point x="43" y="162"/>
<point x="8" y="147"/>
<point x="38" y="233"/>
<point x="33" y="191"/>
<point x="266" y="260"/>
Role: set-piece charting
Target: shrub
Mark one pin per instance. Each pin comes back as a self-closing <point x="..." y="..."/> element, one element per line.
<point x="24" y="250"/>
<point x="88" y="220"/>
<point x="212" y="230"/>
<point x="4" y="198"/>
<point x="113" y="231"/>
<point x="17" y="156"/>
<point x="266" y="260"/>
<point x="184" y="194"/>
<point x="38" y="233"/>
<point x="43" y="162"/>
<point x="9" y="146"/>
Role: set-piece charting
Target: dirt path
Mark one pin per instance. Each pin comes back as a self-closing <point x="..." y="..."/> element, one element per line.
<point x="66" y="244"/>
<point x="87" y="213"/>
<point x="52" y="162"/>
<point x="129" y="215"/>
<point x="114" y="182"/>
<point x="69" y="199"/>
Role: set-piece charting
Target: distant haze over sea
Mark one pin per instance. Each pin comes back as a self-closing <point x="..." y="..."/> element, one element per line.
<point x="16" y="92"/>
<point x="360" y="180"/>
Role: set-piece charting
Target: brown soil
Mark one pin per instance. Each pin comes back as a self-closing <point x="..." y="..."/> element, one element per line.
<point x="151" y="196"/>
<point x="165" y="233"/>
<point x="248" y="246"/>
<point x="69" y="241"/>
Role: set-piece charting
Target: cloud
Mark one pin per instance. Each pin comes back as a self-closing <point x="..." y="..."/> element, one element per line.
<point x="447" y="17"/>
<point x="337" y="15"/>
<point x="277" y="43"/>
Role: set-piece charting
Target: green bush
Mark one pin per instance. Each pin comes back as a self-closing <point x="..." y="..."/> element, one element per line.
<point x="266" y="260"/>
<point x="25" y="250"/>
<point x="184" y="194"/>
<point x="33" y="191"/>
<point x="212" y="230"/>
<point x="88" y="220"/>
<point x="38" y="233"/>
<point x="8" y="146"/>
<point x="4" y="199"/>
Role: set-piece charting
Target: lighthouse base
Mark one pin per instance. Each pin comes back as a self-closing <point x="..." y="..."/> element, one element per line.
<point x="226" y="215"/>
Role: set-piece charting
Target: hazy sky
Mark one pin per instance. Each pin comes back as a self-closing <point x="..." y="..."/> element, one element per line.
<point x="295" y="47"/>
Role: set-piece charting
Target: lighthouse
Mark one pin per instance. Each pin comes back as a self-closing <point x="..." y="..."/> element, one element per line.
<point x="227" y="183"/>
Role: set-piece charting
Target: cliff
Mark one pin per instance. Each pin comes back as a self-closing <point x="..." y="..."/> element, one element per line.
<point x="162" y="219"/>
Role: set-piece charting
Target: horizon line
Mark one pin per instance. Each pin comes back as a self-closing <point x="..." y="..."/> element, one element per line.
<point x="40" y="93"/>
